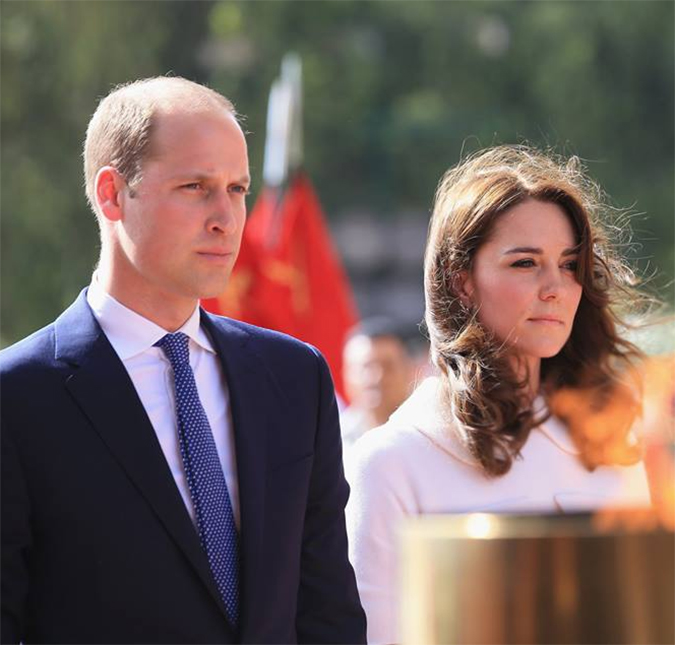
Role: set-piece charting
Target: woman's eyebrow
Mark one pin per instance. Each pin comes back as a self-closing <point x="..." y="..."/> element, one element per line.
<point x="524" y="249"/>
<point x="537" y="251"/>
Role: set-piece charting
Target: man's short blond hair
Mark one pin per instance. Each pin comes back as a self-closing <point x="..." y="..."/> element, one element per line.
<point x="120" y="131"/>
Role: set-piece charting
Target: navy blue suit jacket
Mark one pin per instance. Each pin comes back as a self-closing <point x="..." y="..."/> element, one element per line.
<point x="97" y="545"/>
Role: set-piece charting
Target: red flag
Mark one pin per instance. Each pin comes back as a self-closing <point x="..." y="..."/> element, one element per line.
<point x="288" y="276"/>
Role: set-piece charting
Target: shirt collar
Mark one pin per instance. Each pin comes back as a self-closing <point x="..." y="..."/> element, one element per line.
<point x="130" y="333"/>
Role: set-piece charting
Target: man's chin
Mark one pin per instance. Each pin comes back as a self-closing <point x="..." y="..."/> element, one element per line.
<point x="213" y="288"/>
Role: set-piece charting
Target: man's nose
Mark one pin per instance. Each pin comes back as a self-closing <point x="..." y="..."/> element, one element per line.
<point x="222" y="217"/>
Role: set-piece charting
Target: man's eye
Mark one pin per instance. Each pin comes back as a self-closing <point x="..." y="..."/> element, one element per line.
<point x="524" y="263"/>
<point x="240" y="190"/>
<point x="195" y="185"/>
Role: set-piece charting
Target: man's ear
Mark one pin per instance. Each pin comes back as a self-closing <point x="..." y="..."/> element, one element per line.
<point x="463" y="287"/>
<point x="108" y="187"/>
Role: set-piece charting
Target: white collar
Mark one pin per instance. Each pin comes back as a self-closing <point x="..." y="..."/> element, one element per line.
<point x="130" y="333"/>
<point x="422" y="411"/>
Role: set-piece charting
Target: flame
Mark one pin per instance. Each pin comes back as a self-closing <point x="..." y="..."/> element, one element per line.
<point x="658" y="428"/>
<point x="601" y="423"/>
<point x="635" y="420"/>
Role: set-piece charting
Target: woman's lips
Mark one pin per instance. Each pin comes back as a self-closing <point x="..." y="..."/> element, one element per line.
<point x="546" y="320"/>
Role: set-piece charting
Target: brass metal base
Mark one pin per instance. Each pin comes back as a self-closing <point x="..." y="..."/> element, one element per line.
<point x="537" y="579"/>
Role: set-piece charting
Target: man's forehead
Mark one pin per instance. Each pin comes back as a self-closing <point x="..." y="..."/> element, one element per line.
<point x="175" y="114"/>
<point x="183" y="130"/>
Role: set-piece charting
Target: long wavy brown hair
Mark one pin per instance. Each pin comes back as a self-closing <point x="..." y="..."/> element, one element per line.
<point x="481" y="394"/>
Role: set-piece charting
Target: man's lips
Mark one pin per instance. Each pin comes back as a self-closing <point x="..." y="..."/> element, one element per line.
<point x="215" y="254"/>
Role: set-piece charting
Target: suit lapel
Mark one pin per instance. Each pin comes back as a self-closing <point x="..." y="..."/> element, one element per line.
<point x="105" y="393"/>
<point x="245" y="373"/>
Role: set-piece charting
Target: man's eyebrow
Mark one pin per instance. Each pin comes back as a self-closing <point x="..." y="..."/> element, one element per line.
<point x="537" y="251"/>
<point x="191" y="174"/>
<point x="200" y="175"/>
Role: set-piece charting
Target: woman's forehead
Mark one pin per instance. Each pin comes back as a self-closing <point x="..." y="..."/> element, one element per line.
<point x="532" y="223"/>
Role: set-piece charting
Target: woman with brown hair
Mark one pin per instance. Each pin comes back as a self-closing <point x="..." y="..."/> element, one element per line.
<point x="522" y="289"/>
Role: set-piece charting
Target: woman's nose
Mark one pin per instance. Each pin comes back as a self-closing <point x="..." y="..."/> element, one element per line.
<point x="551" y="285"/>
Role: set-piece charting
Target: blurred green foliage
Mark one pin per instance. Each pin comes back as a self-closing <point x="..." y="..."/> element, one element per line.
<point x="394" y="92"/>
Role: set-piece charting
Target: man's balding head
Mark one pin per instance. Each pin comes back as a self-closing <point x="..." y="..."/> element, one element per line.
<point x="120" y="131"/>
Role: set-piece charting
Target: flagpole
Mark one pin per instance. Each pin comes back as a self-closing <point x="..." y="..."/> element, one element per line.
<point x="283" y="140"/>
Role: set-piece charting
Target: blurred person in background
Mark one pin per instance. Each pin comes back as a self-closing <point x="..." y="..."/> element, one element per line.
<point x="169" y="476"/>
<point x="522" y="288"/>
<point x="379" y="370"/>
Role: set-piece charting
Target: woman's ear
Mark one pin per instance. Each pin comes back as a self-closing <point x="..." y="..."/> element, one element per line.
<point x="462" y="285"/>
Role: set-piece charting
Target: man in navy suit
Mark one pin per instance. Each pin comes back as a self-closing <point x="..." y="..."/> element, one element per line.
<point x="103" y="530"/>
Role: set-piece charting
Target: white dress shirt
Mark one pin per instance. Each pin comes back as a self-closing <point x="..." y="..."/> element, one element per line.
<point x="133" y="337"/>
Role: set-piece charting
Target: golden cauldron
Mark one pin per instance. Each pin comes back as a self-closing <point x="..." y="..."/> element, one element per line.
<point x="536" y="579"/>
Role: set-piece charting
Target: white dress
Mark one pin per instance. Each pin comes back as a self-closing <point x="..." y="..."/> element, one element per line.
<point x="415" y="464"/>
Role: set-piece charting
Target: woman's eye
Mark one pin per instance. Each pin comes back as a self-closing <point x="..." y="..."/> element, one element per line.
<point x="524" y="263"/>
<point x="571" y="265"/>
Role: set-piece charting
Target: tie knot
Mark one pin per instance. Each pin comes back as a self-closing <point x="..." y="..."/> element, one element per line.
<point x="175" y="346"/>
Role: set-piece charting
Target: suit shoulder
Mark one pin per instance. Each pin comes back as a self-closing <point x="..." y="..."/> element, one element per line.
<point x="34" y="351"/>
<point x="266" y="340"/>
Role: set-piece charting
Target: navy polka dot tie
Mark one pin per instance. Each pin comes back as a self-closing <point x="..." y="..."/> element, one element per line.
<point x="206" y="481"/>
